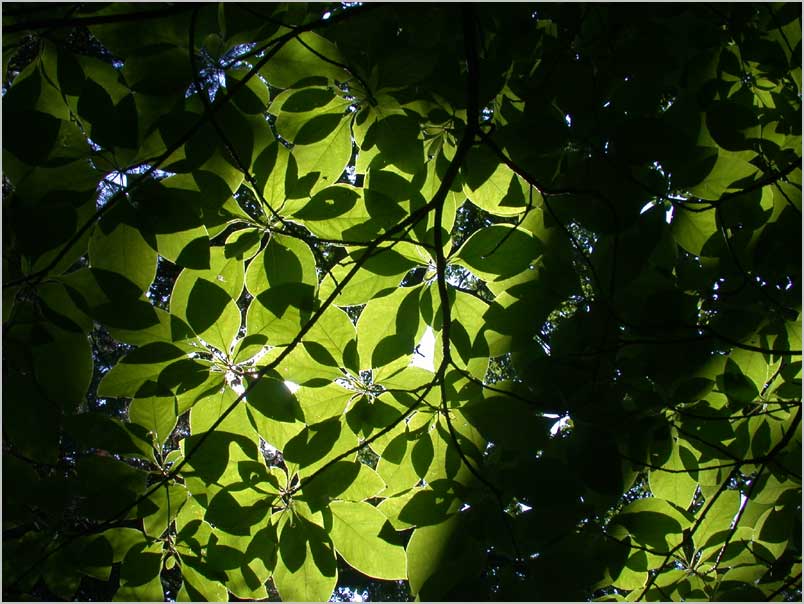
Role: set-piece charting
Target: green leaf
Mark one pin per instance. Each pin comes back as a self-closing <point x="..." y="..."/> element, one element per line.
<point x="56" y="298"/>
<point x="63" y="367"/>
<point x="363" y="537"/>
<point x="302" y="368"/>
<point x="508" y="422"/>
<point x="96" y="70"/>
<point x="654" y="523"/>
<point x="205" y="383"/>
<point x="170" y="221"/>
<point x="224" y="271"/>
<point x="331" y="340"/>
<point x="107" y="548"/>
<point x="633" y="575"/>
<point x="270" y="167"/>
<point x="18" y="472"/>
<point x="224" y="328"/>
<point x="253" y="97"/>
<point x="172" y="30"/>
<point x="327" y="157"/>
<point x="243" y="244"/>
<point x="719" y="517"/>
<point x="249" y="347"/>
<point x="388" y="328"/>
<point x="317" y="129"/>
<point x="210" y="462"/>
<point x="731" y="123"/>
<point x="199" y="576"/>
<point x="338" y="212"/>
<point x="343" y="480"/>
<point x="419" y="507"/>
<point x="470" y="335"/>
<point x="238" y="509"/>
<point x="184" y="377"/>
<point x="671" y="481"/>
<point x="405" y="377"/>
<point x="208" y="310"/>
<point x="499" y="251"/>
<point x="113" y="124"/>
<point x="677" y="488"/>
<point x="247" y="560"/>
<point x="232" y="441"/>
<point x="29" y="420"/>
<point x="282" y="277"/>
<point x="390" y="195"/>
<point x="296" y="108"/>
<point x="158" y="70"/>
<point x="366" y="415"/>
<point x="771" y="488"/>
<point x="422" y="453"/>
<point x="773" y="529"/>
<point x="738" y="584"/>
<point x="96" y="474"/>
<point x="112" y="299"/>
<point x="304" y="56"/>
<point x="158" y="415"/>
<point x="276" y="413"/>
<point x="728" y="170"/>
<point x="745" y="375"/>
<point x="117" y="245"/>
<point x="395" y="466"/>
<point x="162" y="327"/>
<point x="319" y="404"/>
<point x="379" y="275"/>
<point x="431" y="548"/>
<point x="99" y="431"/>
<point x="316" y="444"/>
<point x="274" y="317"/>
<point x="139" y="574"/>
<point x="137" y="373"/>
<point x="211" y="405"/>
<point x="398" y="140"/>
<point x="692" y="230"/>
<point x="306" y="569"/>
<point x="246" y="137"/>
<point x="197" y="585"/>
<point x="161" y="508"/>
<point x="491" y="185"/>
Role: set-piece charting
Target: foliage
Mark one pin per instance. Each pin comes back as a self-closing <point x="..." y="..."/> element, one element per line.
<point x="500" y="300"/>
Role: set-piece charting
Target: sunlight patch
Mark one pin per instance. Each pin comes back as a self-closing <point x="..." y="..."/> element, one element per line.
<point x="423" y="355"/>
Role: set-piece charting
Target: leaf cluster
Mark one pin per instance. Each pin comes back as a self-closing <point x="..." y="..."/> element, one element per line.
<point x="501" y="301"/>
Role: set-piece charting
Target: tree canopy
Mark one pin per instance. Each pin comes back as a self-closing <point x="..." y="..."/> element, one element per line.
<point x="486" y="301"/>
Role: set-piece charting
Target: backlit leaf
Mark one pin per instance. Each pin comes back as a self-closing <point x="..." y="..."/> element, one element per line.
<point x="306" y="566"/>
<point x="361" y="535"/>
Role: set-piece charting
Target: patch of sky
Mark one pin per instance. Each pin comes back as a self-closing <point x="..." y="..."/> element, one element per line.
<point x="423" y="355"/>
